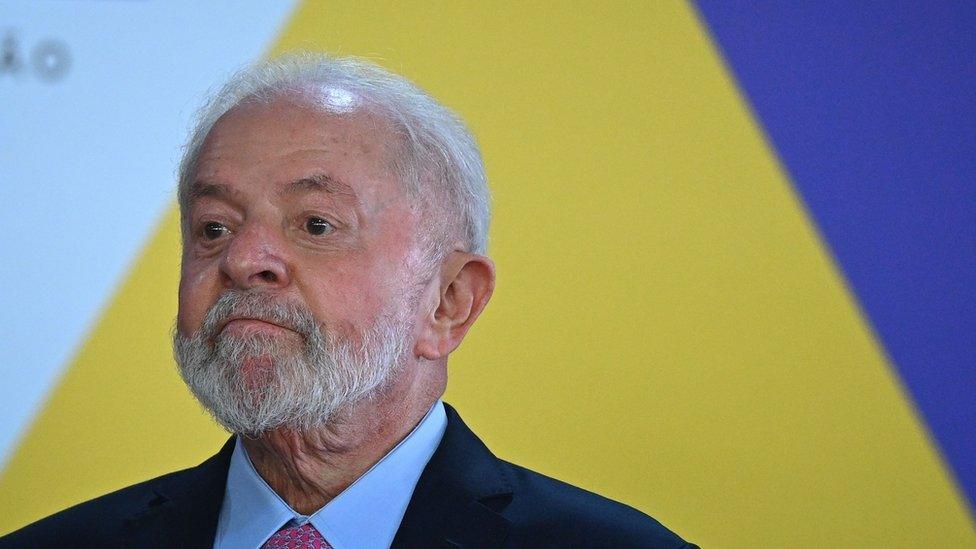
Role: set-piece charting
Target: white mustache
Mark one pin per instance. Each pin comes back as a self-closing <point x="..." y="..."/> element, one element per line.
<point x="236" y="304"/>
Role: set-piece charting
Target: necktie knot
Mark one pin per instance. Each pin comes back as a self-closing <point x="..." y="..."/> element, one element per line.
<point x="297" y="537"/>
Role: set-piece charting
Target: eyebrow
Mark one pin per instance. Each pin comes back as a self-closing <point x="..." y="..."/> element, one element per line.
<point x="317" y="182"/>
<point x="321" y="182"/>
<point x="200" y="189"/>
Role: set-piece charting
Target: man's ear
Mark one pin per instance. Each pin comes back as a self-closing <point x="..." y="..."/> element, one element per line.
<point x="466" y="283"/>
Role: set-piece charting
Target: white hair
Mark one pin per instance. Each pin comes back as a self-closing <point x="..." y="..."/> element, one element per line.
<point x="438" y="159"/>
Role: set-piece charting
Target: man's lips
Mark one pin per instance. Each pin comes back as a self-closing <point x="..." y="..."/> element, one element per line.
<point x="242" y="325"/>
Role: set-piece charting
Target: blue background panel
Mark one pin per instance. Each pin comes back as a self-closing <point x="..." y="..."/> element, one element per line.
<point x="871" y="108"/>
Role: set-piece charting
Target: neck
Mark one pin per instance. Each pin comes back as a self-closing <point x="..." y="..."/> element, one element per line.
<point x="308" y="469"/>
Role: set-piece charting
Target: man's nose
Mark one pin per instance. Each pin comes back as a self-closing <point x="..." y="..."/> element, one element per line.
<point x="254" y="258"/>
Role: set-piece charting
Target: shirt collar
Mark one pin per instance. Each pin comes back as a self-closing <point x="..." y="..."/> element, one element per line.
<point x="366" y="514"/>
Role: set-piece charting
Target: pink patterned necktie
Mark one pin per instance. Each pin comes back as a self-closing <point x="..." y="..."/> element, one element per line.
<point x="297" y="537"/>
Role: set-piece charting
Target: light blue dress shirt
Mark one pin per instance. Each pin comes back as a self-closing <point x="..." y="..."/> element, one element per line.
<point x="367" y="514"/>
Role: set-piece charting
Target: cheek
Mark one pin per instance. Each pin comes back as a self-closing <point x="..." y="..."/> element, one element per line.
<point x="196" y="295"/>
<point x="350" y="299"/>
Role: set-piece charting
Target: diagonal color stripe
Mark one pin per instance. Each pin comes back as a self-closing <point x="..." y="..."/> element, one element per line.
<point x="120" y="413"/>
<point x="86" y="161"/>
<point x="667" y="328"/>
<point x="873" y="110"/>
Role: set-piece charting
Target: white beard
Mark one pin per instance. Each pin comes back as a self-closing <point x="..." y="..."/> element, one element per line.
<point x="301" y="389"/>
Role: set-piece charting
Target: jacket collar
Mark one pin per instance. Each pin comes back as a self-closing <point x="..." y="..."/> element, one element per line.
<point x="460" y="495"/>
<point x="183" y="513"/>
<point x="457" y="501"/>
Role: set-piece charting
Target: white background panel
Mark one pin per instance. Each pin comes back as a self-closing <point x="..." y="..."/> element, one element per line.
<point x="88" y="157"/>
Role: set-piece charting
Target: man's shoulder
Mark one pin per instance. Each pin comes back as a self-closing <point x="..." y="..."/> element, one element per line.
<point x="187" y="501"/>
<point x="514" y="506"/>
<point x="97" y="521"/>
<point x="545" y="509"/>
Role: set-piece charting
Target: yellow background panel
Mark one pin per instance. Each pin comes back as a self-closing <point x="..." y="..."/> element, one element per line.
<point x="667" y="328"/>
<point x="121" y="414"/>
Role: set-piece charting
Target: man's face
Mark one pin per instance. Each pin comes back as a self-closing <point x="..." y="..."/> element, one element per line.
<point x="301" y="208"/>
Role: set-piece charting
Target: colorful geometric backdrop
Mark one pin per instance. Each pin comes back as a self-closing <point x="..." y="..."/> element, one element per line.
<point x="736" y="247"/>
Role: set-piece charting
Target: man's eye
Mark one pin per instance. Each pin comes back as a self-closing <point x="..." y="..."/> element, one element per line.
<point x="318" y="226"/>
<point x="213" y="230"/>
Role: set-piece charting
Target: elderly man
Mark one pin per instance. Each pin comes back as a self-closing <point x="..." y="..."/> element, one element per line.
<point x="335" y="221"/>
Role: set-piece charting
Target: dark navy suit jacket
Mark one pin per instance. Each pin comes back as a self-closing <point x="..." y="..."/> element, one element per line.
<point x="466" y="497"/>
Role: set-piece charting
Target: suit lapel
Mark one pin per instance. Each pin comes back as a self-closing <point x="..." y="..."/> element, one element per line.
<point x="185" y="507"/>
<point x="457" y="502"/>
<point x="459" y="497"/>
